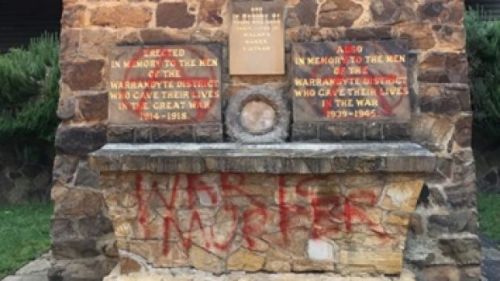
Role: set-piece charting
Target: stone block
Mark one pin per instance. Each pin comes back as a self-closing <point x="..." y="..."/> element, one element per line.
<point x="80" y="140"/>
<point x="305" y="132"/>
<point x="83" y="75"/>
<point x="121" y="15"/>
<point x="245" y="260"/>
<point x="76" y="202"/>
<point x="92" y="106"/>
<point x="439" y="67"/>
<point x="465" y="251"/>
<point x="335" y="13"/>
<point x="174" y="15"/>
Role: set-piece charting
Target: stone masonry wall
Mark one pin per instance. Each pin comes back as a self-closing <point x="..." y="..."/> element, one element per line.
<point x="442" y="243"/>
<point x="223" y="222"/>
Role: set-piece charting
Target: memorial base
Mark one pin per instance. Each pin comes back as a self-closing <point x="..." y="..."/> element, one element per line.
<point x="228" y="208"/>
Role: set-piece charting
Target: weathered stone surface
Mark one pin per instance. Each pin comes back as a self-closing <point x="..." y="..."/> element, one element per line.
<point x="383" y="262"/>
<point x="463" y="131"/>
<point x="444" y="68"/>
<point x="369" y="33"/>
<point x="450" y="273"/>
<point x="159" y="36"/>
<point x="335" y="13"/>
<point x="76" y="202"/>
<point x="462" y="195"/>
<point x="64" y="168"/>
<point x="462" y="221"/>
<point x="92" y="106"/>
<point x="80" y="140"/>
<point x="433" y="130"/>
<point x="210" y="12"/>
<point x="390" y="11"/>
<point x="203" y="260"/>
<point x="463" y="250"/>
<point x="419" y="35"/>
<point x="121" y="16"/>
<point x="74" y="16"/>
<point x="245" y="260"/>
<point x="290" y="223"/>
<point x="193" y="275"/>
<point x="84" y="75"/>
<point x="89" y="269"/>
<point x="450" y="99"/>
<point x="66" y="108"/>
<point x="85" y="176"/>
<point x="174" y="15"/>
<point x="266" y="158"/>
<point x="305" y="12"/>
<point x="442" y="11"/>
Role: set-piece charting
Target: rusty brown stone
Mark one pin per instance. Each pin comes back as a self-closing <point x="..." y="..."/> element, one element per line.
<point x="74" y="16"/>
<point x="210" y="12"/>
<point x="92" y="106"/>
<point x="85" y="75"/>
<point x="174" y="15"/>
<point x="335" y="13"/>
<point x="121" y="16"/>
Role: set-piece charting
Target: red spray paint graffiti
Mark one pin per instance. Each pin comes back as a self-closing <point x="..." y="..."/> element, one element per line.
<point x="329" y="214"/>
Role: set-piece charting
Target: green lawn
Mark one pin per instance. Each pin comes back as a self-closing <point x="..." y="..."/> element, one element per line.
<point x="24" y="234"/>
<point x="489" y="214"/>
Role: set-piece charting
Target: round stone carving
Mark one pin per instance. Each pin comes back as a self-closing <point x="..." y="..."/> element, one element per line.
<point x="258" y="115"/>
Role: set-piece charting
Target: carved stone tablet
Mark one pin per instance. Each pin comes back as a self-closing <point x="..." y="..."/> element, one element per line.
<point x="165" y="85"/>
<point x="257" y="38"/>
<point x="350" y="83"/>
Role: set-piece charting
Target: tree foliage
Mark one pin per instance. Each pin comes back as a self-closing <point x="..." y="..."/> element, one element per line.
<point x="29" y="86"/>
<point x="483" y="47"/>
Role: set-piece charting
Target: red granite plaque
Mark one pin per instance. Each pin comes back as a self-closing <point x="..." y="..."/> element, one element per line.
<point x="165" y="85"/>
<point x="350" y="81"/>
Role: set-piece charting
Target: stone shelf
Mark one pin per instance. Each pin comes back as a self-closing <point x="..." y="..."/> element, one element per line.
<point x="290" y="158"/>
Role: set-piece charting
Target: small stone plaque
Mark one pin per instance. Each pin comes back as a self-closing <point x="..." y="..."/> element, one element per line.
<point x="350" y="81"/>
<point x="165" y="85"/>
<point x="257" y="38"/>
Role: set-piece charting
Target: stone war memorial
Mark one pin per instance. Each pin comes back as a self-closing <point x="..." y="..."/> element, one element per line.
<point x="264" y="140"/>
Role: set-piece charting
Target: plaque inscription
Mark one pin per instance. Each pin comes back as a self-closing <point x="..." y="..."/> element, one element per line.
<point x="257" y="38"/>
<point x="350" y="81"/>
<point x="165" y="85"/>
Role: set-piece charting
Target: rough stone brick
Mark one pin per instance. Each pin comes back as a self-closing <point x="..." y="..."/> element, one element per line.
<point x="174" y="15"/>
<point x="464" y="250"/>
<point x="80" y="76"/>
<point x="121" y="16"/>
<point x="336" y="13"/>
<point x="80" y="140"/>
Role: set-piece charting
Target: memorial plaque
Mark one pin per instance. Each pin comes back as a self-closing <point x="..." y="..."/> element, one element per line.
<point x="257" y="38"/>
<point x="165" y="85"/>
<point x="350" y="81"/>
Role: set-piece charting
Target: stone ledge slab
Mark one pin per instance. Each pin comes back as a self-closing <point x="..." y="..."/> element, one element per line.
<point x="293" y="158"/>
<point x="196" y="275"/>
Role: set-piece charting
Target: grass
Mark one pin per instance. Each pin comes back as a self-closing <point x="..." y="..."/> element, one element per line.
<point x="24" y="234"/>
<point x="489" y="214"/>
